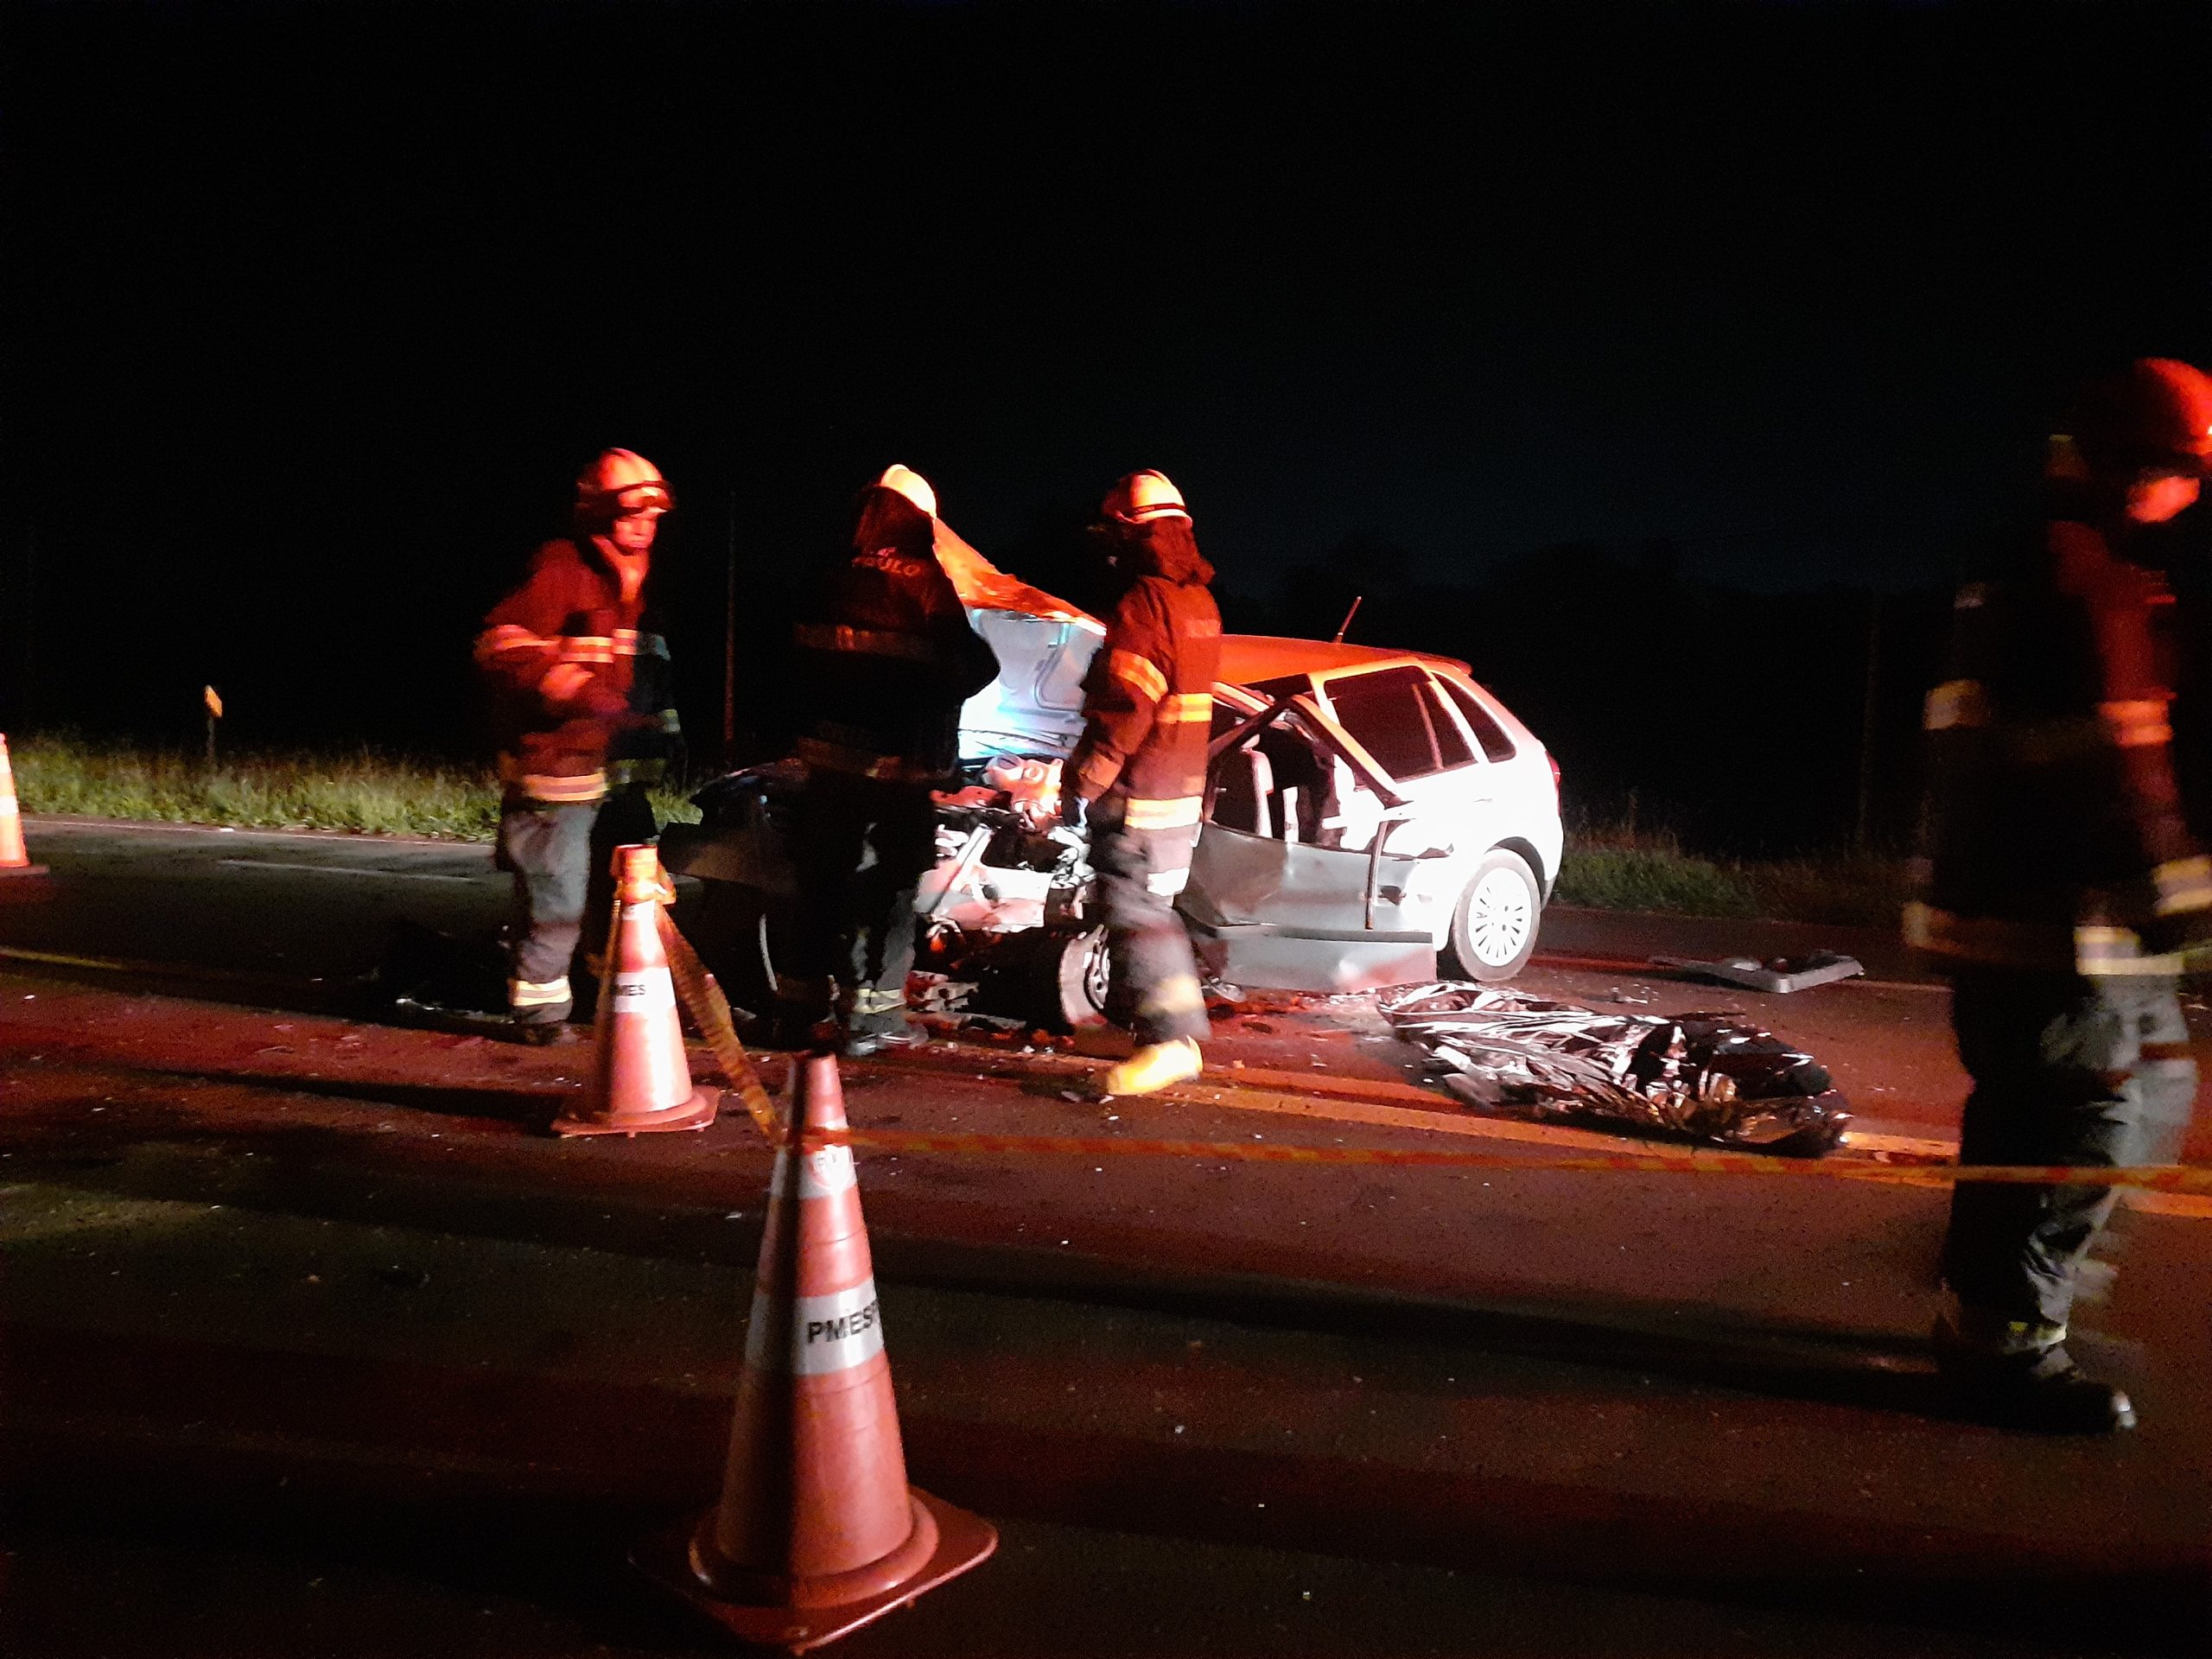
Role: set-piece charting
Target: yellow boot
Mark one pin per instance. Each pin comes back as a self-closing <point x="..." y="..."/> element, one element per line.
<point x="1154" y="1067"/>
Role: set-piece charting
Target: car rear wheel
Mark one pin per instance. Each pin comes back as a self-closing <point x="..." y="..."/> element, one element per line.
<point x="1493" y="926"/>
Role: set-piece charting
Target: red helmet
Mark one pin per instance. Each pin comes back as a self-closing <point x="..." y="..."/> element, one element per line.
<point x="2155" y="415"/>
<point x="621" y="482"/>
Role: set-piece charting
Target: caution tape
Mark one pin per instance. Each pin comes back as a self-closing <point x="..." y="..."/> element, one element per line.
<point x="2163" y="1178"/>
<point x="709" y="1011"/>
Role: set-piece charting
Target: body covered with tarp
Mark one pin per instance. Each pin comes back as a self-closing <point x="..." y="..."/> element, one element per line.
<point x="1710" y="1077"/>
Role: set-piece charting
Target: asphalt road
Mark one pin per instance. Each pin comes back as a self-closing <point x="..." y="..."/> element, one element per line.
<point x="314" y="1342"/>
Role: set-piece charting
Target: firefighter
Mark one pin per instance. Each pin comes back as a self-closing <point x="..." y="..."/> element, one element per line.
<point x="561" y="652"/>
<point x="1138" y="775"/>
<point x="887" y="658"/>
<point x="2062" y="887"/>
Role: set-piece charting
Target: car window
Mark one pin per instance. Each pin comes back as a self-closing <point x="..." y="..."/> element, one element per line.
<point x="1386" y="715"/>
<point x="1451" y="742"/>
<point x="1483" y="724"/>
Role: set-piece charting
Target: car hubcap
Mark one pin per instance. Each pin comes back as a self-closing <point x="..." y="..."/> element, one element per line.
<point x="1097" y="972"/>
<point x="1498" y="917"/>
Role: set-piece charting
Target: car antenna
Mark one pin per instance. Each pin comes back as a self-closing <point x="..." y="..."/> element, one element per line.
<point x="1342" y="626"/>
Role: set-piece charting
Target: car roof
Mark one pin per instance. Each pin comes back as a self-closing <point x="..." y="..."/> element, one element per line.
<point x="1247" y="659"/>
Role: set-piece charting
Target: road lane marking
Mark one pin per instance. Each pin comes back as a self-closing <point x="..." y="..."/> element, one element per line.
<point x="342" y="869"/>
<point x="2163" y="1178"/>
<point x="187" y="971"/>
<point x="1367" y="1100"/>
<point x="1901" y="1146"/>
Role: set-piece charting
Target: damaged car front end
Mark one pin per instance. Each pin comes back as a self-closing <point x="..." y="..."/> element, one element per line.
<point x="1368" y="813"/>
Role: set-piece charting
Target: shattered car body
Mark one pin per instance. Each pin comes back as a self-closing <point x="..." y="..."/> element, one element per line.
<point x="1366" y="812"/>
<point x="1710" y="1077"/>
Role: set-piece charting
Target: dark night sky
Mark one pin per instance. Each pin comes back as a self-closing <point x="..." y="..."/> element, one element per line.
<point x="316" y="308"/>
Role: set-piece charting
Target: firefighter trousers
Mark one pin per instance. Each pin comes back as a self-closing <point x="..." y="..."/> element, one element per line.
<point x="2066" y="1070"/>
<point x="547" y="848"/>
<point x="1154" y="988"/>
<point x="861" y="846"/>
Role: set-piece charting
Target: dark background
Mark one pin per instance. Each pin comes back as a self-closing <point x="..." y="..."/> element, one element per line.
<point x="1630" y="352"/>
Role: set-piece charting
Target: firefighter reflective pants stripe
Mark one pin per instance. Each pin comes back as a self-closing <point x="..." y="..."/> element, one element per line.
<point x="1154" y="988"/>
<point x="861" y="846"/>
<point x="2066" y="1070"/>
<point x="548" y="848"/>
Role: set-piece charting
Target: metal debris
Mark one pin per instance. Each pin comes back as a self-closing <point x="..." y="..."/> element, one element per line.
<point x="1708" y="1075"/>
<point x="1782" y="975"/>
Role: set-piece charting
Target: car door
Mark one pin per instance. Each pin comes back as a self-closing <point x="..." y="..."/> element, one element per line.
<point x="1405" y="725"/>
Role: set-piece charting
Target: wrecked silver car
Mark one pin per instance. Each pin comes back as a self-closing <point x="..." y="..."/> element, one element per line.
<point x="1367" y="813"/>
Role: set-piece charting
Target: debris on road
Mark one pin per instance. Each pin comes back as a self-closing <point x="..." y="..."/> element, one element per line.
<point x="1781" y="975"/>
<point x="1709" y="1076"/>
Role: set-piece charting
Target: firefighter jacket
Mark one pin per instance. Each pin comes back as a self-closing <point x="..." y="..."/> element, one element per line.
<point x="886" y="656"/>
<point x="2053" y="835"/>
<point x="1147" y="702"/>
<point x="569" y="609"/>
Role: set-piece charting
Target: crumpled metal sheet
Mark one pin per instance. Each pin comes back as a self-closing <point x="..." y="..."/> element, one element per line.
<point x="1711" y="1077"/>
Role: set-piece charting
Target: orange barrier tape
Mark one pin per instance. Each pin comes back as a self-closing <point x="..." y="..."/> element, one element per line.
<point x="709" y="1011"/>
<point x="2163" y="1178"/>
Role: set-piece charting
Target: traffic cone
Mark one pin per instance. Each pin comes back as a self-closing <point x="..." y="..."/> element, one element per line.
<point x="639" y="1079"/>
<point x="817" y="1531"/>
<point x="14" y="859"/>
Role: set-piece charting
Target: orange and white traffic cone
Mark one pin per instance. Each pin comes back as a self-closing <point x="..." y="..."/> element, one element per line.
<point x="15" y="860"/>
<point x="639" y="1079"/>
<point x="817" y="1531"/>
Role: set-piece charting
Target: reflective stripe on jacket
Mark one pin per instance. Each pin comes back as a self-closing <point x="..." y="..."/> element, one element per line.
<point x="568" y="611"/>
<point x="887" y="657"/>
<point x="2053" y="829"/>
<point x="1148" y="704"/>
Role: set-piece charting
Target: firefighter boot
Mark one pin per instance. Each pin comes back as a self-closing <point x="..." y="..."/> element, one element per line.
<point x="886" y="1040"/>
<point x="2038" y="1390"/>
<point x="877" y="1023"/>
<point x="1152" y="1067"/>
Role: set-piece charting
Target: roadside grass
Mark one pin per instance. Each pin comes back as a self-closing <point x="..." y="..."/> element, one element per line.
<point x="362" y="791"/>
<point x="1619" y="865"/>
<point x="1623" y="866"/>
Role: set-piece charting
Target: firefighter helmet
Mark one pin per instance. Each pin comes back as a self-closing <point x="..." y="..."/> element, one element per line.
<point x="621" y="482"/>
<point x="1142" y="497"/>
<point x="2155" y="415"/>
<point x="905" y="481"/>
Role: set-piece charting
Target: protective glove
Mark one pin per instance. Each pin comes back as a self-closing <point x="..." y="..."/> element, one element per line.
<point x="1074" y="811"/>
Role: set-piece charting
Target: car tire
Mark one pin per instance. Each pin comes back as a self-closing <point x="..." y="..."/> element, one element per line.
<point x="1494" y="924"/>
<point x="731" y="929"/>
<point x="1055" y="980"/>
